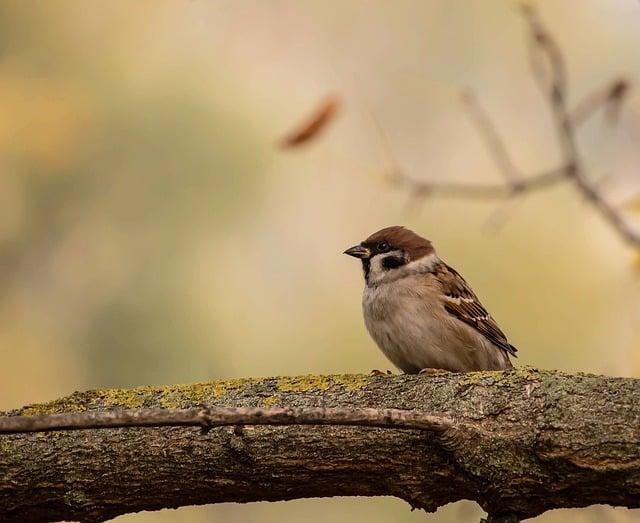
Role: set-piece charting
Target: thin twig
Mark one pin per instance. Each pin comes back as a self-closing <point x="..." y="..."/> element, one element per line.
<point x="501" y="214"/>
<point x="565" y="130"/>
<point x="209" y="417"/>
<point x="481" y="191"/>
<point x="492" y="139"/>
<point x="610" y="98"/>
<point x="515" y="183"/>
<point x="550" y="73"/>
<point x="547" y="62"/>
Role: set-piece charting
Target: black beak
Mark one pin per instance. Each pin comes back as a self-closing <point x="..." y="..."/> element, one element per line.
<point x="358" y="251"/>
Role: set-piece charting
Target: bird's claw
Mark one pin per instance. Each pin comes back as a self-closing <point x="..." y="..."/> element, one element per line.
<point x="376" y="372"/>
<point x="433" y="372"/>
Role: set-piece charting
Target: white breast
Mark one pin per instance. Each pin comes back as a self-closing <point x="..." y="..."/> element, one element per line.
<point x="410" y="325"/>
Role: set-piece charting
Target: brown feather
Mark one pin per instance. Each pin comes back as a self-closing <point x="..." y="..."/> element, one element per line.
<point x="399" y="237"/>
<point x="462" y="303"/>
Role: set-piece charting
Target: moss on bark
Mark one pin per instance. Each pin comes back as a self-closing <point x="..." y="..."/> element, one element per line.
<point x="542" y="440"/>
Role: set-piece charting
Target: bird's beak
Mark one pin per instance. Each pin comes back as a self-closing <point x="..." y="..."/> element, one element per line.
<point x="358" y="251"/>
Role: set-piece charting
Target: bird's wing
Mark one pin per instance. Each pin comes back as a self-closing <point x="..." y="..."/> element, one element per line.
<point x="462" y="303"/>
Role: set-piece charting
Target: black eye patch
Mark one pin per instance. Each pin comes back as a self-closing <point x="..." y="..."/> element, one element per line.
<point x="393" y="262"/>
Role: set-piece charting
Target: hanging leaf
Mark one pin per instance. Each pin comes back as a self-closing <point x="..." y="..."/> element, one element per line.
<point x="313" y="125"/>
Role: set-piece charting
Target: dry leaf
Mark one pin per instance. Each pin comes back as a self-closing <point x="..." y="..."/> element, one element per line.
<point x="312" y="126"/>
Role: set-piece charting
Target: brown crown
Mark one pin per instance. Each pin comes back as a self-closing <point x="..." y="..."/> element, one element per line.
<point x="398" y="237"/>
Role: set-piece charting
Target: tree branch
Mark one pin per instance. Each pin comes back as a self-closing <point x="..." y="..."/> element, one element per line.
<point x="209" y="417"/>
<point x="549" y="72"/>
<point x="557" y="97"/>
<point x="519" y="443"/>
<point x="609" y="98"/>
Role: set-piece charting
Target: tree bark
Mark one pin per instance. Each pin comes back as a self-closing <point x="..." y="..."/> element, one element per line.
<point x="523" y="442"/>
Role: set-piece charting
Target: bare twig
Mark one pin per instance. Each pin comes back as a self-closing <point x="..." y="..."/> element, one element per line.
<point x="515" y="183"/>
<point x="480" y="191"/>
<point x="394" y="166"/>
<point x="550" y="73"/>
<point x="565" y="129"/>
<point x="492" y="139"/>
<point x="547" y="62"/>
<point x="209" y="417"/>
<point x="610" y="98"/>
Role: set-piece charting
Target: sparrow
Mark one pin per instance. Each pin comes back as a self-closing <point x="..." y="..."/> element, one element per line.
<point x="420" y="312"/>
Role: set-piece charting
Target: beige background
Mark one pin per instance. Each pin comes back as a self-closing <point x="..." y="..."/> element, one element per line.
<point x="151" y="232"/>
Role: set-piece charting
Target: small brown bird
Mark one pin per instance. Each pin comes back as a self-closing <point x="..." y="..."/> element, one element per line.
<point x="422" y="314"/>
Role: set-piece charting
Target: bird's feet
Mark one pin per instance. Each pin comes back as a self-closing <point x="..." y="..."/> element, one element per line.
<point x="434" y="372"/>
<point x="376" y="372"/>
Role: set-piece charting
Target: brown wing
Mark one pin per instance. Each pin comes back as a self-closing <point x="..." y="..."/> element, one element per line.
<point x="461" y="302"/>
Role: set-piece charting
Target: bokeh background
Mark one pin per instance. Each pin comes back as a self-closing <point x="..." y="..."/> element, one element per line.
<point x="151" y="231"/>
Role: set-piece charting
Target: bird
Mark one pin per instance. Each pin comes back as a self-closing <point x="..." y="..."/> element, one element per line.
<point x="421" y="312"/>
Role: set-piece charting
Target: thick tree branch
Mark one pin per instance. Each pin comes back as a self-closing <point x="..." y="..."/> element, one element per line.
<point x="519" y="443"/>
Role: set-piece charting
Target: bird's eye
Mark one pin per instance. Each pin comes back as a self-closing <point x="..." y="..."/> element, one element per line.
<point x="383" y="247"/>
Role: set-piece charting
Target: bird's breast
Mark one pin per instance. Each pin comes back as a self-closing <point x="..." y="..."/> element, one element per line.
<point x="407" y="296"/>
<point x="409" y="323"/>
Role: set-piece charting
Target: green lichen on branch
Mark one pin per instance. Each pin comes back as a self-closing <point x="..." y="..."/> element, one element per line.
<point x="498" y="377"/>
<point x="312" y="382"/>
<point x="76" y="498"/>
<point x="188" y="395"/>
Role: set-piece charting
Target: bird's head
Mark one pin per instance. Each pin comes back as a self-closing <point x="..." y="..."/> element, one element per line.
<point x="391" y="253"/>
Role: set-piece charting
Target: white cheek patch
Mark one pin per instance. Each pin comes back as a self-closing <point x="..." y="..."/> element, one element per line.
<point x="378" y="273"/>
<point x="424" y="264"/>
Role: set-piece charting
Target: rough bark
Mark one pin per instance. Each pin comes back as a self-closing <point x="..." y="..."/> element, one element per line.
<point x="526" y="441"/>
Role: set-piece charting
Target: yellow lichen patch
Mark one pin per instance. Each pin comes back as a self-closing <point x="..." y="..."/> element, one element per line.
<point x="270" y="401"/>
<point x="77" y="402"/>
<point x="500" y="376"/>
<point x="527" y="373"/>
<point x="183" y="396"/>
<point x="303" y="383"/>
<point x="189" y="395"/>
<point x="99" y="398"/>
<point x="124" y="398"/>
<point x="312" y="383"/>
<point x="221" y="388"/>
<point x="172" y="396"/>
<point x="473" y="378"/>
<point x="351" y="381"/>
<point x="5" y="447"/>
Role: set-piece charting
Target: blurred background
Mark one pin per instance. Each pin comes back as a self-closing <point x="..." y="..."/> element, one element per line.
<point x="152" y="231"/>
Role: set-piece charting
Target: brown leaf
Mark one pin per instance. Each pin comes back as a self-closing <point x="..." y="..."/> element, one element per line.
<point x="312" y="126"/>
